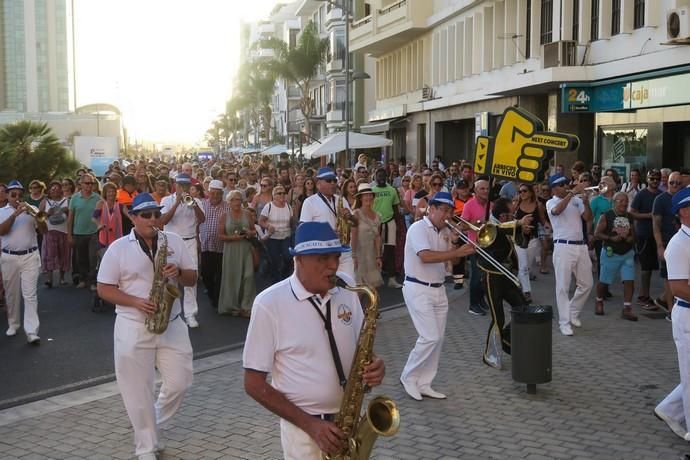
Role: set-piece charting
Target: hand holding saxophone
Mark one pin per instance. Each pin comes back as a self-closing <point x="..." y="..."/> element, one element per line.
<point x="171" y="271"/>
<point x="327" y="436"/>
<point x="145" y="305"/>
<point x="373" y="373"/>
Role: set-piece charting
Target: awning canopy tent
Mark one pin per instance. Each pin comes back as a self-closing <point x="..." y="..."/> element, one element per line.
<point x="336" y="143"/>
<point x="276" y="149"/>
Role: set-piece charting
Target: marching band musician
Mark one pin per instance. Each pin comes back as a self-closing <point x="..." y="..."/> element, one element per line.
<point x="427" y="248"/>
<point x="20" y="262"/>
<point x="184" y="220"/>
<point x="497" y="285"/>
<point x="125" y="279"/>
<point x="308" y="368"/>
<point x="326" y="206"/>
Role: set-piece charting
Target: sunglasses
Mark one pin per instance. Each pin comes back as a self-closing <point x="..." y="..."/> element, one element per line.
<point x="86" y="183"/>
<point x="150" y="214"/>
<point x="265" y="185"/>
<point x="15" y="195"/>
<point x="675" y="182"/>
<point x="437" y="184"/>
<point x="524" y="190"/>
<point x="330" y="181"/>
<point x="279" y="193"/>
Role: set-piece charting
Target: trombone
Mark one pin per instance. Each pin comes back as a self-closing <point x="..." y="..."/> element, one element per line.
<point x="486" y="231"/>
<point x="596" y="189"/>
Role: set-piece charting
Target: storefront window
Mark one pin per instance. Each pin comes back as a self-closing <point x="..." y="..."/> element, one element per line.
<point x="624" y="148"/>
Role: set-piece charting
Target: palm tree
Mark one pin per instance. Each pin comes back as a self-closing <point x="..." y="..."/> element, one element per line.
<point x="299" y="65"/>
<point x="254" y="86"/>
<point x="30" y="150"/>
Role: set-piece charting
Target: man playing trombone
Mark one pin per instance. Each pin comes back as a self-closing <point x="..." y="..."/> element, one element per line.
<point x="427" y="248"/>
<point x="182" y="214"/>
<point x="21" y="262"/>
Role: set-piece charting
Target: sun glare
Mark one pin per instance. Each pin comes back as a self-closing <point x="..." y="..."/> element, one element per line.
<point x="167" y="64"/>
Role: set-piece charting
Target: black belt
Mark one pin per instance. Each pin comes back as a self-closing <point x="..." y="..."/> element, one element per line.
<point x="190" y="238"/>
<point x="423" y="283"/>
<point x="682" y="303"/>
<point x="20" y="253"/>
<point x="577" y="242"/>
<point x="326" y="417"/>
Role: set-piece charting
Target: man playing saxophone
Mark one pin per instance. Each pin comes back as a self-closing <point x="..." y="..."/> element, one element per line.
<point x="125" y="278"/>
<point x="305" y="332"/>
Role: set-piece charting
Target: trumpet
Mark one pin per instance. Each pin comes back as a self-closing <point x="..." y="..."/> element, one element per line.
<point x="596" y="190"/>
<point x="36" y="213"/>
<point x="188" y="200"/>
<point x="488" y="229"/>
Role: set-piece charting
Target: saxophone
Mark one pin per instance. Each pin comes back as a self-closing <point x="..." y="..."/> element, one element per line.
<point x="163" y="294"/>
<point x="381" y="417"/>
<point x="343" y="226"/>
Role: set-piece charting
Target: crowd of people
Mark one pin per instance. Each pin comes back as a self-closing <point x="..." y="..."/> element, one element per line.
<point x="237" y="220"/>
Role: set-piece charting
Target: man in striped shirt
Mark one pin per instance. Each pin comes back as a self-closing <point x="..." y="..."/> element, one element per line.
<point x="211" y="247"/>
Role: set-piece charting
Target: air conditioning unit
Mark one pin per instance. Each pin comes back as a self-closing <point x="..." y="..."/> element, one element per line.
<point x="560" y="54"/>
<point x="678" y="23"/>
<point x="427" y="93"/>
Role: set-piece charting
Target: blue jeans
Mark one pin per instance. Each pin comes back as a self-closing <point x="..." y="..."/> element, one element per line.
<point x="280" y="258"/>
<point x="476" y="289"/>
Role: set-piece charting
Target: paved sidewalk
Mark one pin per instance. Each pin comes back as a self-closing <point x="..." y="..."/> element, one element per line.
<point x="606" y="381"/>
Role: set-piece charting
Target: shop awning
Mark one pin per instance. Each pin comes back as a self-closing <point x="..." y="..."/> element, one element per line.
<point x="382" y="126"/>
<point x="660" y="88"/>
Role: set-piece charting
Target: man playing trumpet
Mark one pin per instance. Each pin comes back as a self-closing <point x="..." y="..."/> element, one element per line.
<point x="20" y="261"/>
<point x="181" y="215"/>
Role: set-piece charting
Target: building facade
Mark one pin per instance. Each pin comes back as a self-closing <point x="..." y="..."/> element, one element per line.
<point x="37" y="56"/>
<point x="446" y="70"/>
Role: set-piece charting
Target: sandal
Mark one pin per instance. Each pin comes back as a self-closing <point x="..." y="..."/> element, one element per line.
<point x="544" y="272"/>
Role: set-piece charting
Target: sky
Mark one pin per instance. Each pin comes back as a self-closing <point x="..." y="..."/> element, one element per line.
<point x="167" y="64"/>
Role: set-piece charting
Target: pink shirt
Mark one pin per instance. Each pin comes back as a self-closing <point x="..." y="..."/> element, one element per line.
<point x="473" y="212"/>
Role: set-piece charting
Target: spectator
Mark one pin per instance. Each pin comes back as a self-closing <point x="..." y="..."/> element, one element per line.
<point x="264" y="196"/>
<point x="55" y="255"/>
<point x="634" y="185"/>
<point x="125" y="196"/>
<point x="68" y="187"/>
<point x="348" y="190"/>
<point x="211" y="246"/>
<point x="82" y="232"/>
<point x="237" y="291"/>
<point x="526" y="241"/>
<point x="276" y="220"/>
<point x="161" y="190"/>
<point x="663" y="184"/>
<point x="366" y="240"/>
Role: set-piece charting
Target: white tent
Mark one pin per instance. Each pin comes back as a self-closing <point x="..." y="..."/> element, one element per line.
<point x="336" y="143"/>
<point x="275" y="149"/>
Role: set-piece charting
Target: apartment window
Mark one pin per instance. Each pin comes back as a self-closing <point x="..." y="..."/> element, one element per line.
<point x="595" y="20"/>
<point x="638" y="13"/>
<point x="528" y="31"/>
<point x="615" y="17"/>
<point x="546" y="35"/>
<point x="338" y="44"/>
<point x="293" y="38"/>
<point x="576" y="20"/>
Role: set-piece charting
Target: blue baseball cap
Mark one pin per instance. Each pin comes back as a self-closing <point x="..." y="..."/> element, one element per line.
<point x="183" y="178"/>
<point x="442" y="198"/>
<point x="325" y="173"/>
<point x="143" y="202"/>
<point x="557" y="179"/>
<point x="316" y="238"/>
<point x="680" y="199"/>
<point x="15" y="185"/>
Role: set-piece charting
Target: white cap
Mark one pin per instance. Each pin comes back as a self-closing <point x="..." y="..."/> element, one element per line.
<point x="216" y="184"/>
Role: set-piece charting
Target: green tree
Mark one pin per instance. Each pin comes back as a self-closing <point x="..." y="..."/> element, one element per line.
<point x="299" y="65"/>
<point x="254" y="89"/>
<point x="30" y="150"/>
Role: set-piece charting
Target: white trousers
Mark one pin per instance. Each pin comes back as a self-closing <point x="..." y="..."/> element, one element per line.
<point x="20" y="278"/>
<point x="190" y="306"/>
<point x="428" y="309"/>
<point x="137" y="351"/>
<point x="526" y="257"/>
<point x="677" y="404"/>
<point x="569" y="260"/>
<point x="297" y="445"/>
<point x="347" y="264"/>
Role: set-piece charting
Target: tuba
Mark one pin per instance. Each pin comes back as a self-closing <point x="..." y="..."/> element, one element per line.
<point x="163" y="294"/>
<point x="343" y="227"/>
<point x="381" y="417"/>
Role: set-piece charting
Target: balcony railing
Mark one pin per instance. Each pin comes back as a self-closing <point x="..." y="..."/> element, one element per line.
<point x="393" y="7"/>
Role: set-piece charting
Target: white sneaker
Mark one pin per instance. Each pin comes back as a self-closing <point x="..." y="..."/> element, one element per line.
<point x="149" y="456"/>
<point x="192" y="322"/>
<point x="10" y="332"/>
<point x="431" y="393"/>
<point x="676" y="427"/>
<point x="566" y="330"/>
<point x="33" y="338"/>
<point x="393" y="284"/>
<point x="576" y="322"/>
<point x="411" y="390"/>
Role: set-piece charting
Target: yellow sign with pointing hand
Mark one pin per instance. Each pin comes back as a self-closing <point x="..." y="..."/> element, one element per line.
<point x="521" y="148"/>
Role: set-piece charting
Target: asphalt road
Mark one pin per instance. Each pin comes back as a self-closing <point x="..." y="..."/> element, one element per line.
<point x="77" y="345"/>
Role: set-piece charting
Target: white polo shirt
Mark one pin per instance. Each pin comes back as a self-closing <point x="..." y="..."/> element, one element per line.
<point x="22" y="234"/>
<point x="318" y="208"/>
<point x="128" y="267"/>
<point x="677" y="255"/>
<point x="422" y="236"/>
<point x="184" y="221"/>
<point x="568" y="224"/>
<point x="287" y="338"/>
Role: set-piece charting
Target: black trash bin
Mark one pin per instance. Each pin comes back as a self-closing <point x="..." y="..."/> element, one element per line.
<point x="530" y="343"/>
